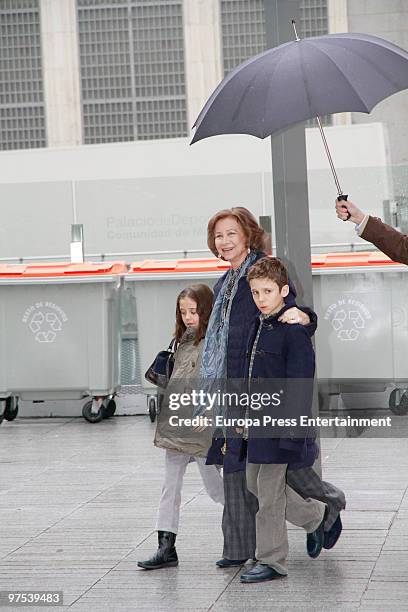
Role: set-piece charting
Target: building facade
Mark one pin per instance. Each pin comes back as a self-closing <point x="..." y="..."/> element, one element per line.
<point x="96" y="71"/>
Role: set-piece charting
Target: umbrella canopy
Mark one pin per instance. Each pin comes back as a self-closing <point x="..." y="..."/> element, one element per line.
<point x="303" y="79"/>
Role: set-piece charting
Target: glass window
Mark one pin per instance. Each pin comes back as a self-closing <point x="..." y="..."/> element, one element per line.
<point x="132" y="70"/>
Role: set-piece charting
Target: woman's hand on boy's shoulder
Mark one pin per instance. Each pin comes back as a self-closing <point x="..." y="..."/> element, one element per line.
<point x="293" y="316"/>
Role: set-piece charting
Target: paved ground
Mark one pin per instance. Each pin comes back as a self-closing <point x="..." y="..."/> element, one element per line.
<point x="77" y="510"/>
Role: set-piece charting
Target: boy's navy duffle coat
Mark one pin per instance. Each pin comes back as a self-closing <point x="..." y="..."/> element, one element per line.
<point x="284" y="353"/>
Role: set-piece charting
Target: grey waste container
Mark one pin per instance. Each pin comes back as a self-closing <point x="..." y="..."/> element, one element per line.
<point x="362" y="336"/>
<point x="60" y="334"/>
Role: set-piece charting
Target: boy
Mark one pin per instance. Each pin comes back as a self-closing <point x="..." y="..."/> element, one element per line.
<point x="283" y="352"/>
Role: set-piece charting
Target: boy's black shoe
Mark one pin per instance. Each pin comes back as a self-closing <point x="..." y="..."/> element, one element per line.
<point x="315" y="539"/>
<point x="260" y="573"/>
<point x="165" y="556"/>
<point x="230" y="562"/>
<point x="331" y="536"/>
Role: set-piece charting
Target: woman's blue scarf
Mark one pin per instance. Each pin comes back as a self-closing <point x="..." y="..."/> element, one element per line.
<point x="214" y="359"/>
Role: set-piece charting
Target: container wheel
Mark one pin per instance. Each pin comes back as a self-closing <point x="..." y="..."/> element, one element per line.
<point x="89" y="415"/>
<point x="152" y="403"/>
<point x="11" y="409"/>
<point x="109" y="409"/>
<point x="400" y="407"/>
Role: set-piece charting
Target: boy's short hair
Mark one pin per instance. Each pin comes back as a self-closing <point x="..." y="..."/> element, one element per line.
<point x="271" y="268"/>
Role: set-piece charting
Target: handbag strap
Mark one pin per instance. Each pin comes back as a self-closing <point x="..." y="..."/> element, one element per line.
<point x="171" y="345"/>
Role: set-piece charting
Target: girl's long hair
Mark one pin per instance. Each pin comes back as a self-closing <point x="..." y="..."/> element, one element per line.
<point x="203" y="297"/>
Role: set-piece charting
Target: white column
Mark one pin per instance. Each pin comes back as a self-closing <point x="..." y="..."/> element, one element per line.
<point x="202" y="39"/>
<point x="59" y="40"/>
<point x="338" y="22"/>
<point x="337" y="13"/>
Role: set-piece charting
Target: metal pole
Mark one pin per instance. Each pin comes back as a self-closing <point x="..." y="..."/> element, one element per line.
<point x="289" y="170"/>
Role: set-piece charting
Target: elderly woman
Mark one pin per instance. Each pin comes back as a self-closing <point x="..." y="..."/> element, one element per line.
<point x="235" y="236"/>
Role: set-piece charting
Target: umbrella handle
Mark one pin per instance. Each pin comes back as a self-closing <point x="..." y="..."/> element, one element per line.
<point x="344" y="197"/>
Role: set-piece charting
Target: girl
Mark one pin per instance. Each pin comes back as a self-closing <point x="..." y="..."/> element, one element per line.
<point x="192" y="314"/>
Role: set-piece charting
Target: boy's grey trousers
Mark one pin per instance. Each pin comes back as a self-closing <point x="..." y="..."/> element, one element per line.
<point x="277" y="502"/>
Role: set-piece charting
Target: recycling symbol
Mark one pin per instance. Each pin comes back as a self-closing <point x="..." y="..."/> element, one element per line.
<point x="348" y="324"/>
<point x="45" y="326"/>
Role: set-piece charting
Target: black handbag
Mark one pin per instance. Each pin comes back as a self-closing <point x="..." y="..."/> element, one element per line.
<point x="162" y="367"/>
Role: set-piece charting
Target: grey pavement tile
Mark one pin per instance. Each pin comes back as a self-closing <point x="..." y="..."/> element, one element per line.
<point x="27" y="531"/>
<point x="60" y="538"/>
<point x="383" y="477"/>
<point x="366" y="519"/>
<point x="89" y="604"/>
<point x="45" y="488"/>
<point x="122" y="607"/>
<point x="170" y="578"/>
<point x="74" y="587"/>
<point x="57" y="497"/>
<point x="327" y="568"/>
<point x="399" y="526"/>
<point x="38" y="517"/>
<point x="391" y="565"/>
<point x="173" y="599"/>
<point x="404" y="503"/>
<point x="368" y="606"/>
<point x="52" y="478"/>
<point x="44" y="564"/>
<point x="37" y="553"/>
<point x="374" y="459"/>
<point x="8" y="544"/>
<point x="295" y="589"/>
<point x="37" y="608"/>
<point x="387" y="593"/>
<point x="396" y="543"/>
<point x="281" y="607"/>
<point x="374" y="500"/>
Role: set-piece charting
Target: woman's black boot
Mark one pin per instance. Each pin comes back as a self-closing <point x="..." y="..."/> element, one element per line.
<point x="165" y="556"/>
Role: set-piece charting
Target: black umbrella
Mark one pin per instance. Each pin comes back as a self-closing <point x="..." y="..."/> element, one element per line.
<point x="301" y="80"/>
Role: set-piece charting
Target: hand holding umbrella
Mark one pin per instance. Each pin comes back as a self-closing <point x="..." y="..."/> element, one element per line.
<point x="349" y="212"/>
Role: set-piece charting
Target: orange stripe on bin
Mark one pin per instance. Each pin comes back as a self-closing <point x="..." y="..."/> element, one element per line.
<point x="351" y="260"/>
<point x="61" y="269"/>
<point x="179" y="265"/>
